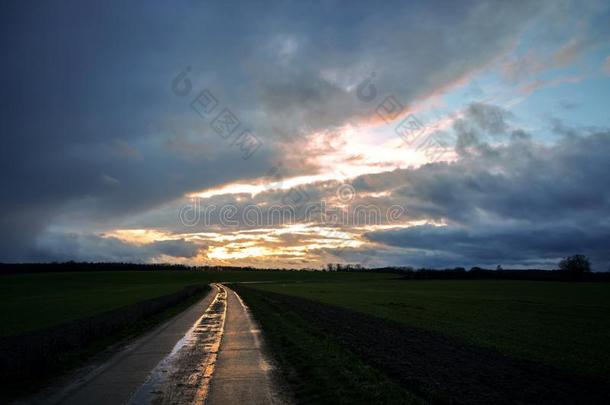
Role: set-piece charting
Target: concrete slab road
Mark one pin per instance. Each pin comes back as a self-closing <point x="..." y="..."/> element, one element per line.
<point x="243" y="373"/>
<point x="212" y="354"/>
<point x="114" y="381"/>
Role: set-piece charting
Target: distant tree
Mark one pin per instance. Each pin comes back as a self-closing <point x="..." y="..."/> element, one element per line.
<point x="577" y="264"/>
<point x="499" y="267"/>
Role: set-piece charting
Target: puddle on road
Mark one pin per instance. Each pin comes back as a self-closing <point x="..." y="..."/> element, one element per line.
<point x="183" y="376"/>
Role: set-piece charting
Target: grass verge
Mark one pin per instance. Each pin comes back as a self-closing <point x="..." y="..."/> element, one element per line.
<point x="564" y="325"/>
<point x="94" y="352"/>
<point x="437" y="368"/>
<point x="40" y="300"/>
<point x="317" y="368"/>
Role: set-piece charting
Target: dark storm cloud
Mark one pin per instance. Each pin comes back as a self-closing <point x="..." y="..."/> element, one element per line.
<point x="403" y="44"/>
<point x="497" y="244"/>
<point x="481" y="123"/>
<point x="92" y="134"/>
<point x="71" y="246"/>
<point x="514" y="203"/>
<point x="80" y="79"/>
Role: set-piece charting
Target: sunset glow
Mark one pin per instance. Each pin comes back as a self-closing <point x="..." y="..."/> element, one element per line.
<point x="432" y="129"/>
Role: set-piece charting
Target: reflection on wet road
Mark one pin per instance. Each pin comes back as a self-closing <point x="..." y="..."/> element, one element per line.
<point x="211" y="353"/>
<point x="183" y="377"/>
<point x="243" y="373"/>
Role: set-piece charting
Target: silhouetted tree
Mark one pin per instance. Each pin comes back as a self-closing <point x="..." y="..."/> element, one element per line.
<point x="577" y="264"/>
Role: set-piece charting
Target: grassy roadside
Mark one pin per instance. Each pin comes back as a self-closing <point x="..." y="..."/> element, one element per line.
<point x="33" y="301"/>
<point x="317" y="368"/>
<point x="565" y="325"/>
<point x="437" y="368"/>
<point x="95" y="352"/>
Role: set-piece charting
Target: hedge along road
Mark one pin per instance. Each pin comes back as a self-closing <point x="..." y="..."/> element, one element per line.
<point x="211" y="353"/>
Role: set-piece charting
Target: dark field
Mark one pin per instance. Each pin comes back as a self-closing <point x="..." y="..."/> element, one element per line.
<point x="566" y="325"/>
<point x="319" y="367"/>
<point x="376" y="338"/>
<point x="433" y="366"/>
<point x="34" y="301"/>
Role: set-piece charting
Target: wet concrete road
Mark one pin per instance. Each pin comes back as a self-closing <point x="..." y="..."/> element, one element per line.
<point x="243" y="374"/>
<point x="118" y="378"/>
<point x="183" y="376"/>
<point x="211" y="353"/>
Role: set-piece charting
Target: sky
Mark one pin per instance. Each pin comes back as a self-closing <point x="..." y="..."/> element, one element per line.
<point x="296" y="134"/>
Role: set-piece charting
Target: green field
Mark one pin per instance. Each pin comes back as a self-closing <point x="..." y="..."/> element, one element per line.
<point x="318" y="368"/>
<point x="566" y="325"/>
<point x="562" y="324"/>
<point x="558" y="324"/>
<point x="32" y="301"/>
